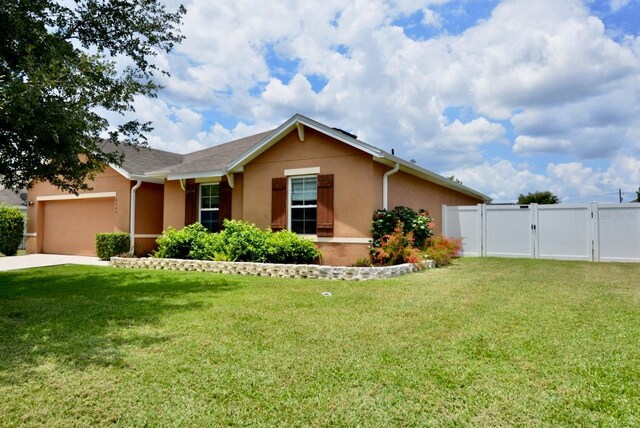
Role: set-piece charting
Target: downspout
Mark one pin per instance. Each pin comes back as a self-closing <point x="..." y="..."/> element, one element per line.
<point x="385" y="185"/>
<point x="132" y="219"/>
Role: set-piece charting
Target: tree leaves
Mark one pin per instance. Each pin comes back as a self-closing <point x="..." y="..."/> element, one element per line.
<point x="57" y="80"/>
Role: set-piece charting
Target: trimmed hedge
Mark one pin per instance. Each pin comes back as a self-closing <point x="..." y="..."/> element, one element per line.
<point x="11" y="230"/>
<point x="238" y="241"/>
<point x="111" y="244"/>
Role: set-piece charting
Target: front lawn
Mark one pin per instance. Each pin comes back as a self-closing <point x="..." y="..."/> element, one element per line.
<point x="485" y="342"/>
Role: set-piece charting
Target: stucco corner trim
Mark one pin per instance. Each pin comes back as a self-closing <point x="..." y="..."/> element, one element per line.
<point x="74" y="197"/>
<point x="302" y="171"/>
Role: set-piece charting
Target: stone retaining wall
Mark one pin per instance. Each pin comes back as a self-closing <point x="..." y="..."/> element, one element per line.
<point x="273" y="270"/>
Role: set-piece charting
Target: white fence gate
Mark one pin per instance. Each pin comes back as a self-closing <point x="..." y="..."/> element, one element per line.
<point x="594" y="232"/>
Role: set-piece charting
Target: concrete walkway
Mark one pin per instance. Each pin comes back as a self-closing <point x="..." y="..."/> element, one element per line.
<point x="41" y="260"/>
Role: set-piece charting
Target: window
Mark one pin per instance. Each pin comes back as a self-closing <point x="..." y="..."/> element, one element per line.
<point x="210" y="206"/>
<point x="304" y="205"/>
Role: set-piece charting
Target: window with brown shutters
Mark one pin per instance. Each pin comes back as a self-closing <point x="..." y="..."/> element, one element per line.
<point x="324" y="226"/>
<point x="191" y="202"/>
<point x="210" y="206"/>
<point x="225" y="203"/>
<point x="303" y="210"/>
<point x="278" y="203"/>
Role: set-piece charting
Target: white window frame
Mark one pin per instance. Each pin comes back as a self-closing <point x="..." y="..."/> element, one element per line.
<point x="200" y="209"/>
<point x="289" y="206"/>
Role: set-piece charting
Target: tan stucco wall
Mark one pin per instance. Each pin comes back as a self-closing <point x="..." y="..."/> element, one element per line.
<point x="174" y="200"/>
<point x="149" y="217"/>
<point x="149" y="206"/>
<point x="342" y="254"/>
<point x="145" y="246"/>
<point x="107" y="181"/>
<point x="411" y="191"/>
<point x="353" y="180"/>
<point x="237" y="197"/>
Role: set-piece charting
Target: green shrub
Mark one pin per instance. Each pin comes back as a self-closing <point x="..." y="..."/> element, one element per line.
<point x="111" y="244"/>
<point x="243" y="241"/>
<point x="287" y="247"/>
<point x="363" y="262"/>
<point x="208" y="246"/>
<point x="442" y="250"/>
<point x="11" y="230"/>
<point x="417" y="222"/>
<point x="177" y="244"/>
<point x="238" y="241"/>
<point x="396" y="248"/>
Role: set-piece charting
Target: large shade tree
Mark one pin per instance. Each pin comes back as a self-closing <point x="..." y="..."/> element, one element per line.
<point x="59" y="79"/>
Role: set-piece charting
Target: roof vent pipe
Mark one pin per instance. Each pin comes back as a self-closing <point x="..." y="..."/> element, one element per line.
<point x="132" y="219"/>
<point x="385" y="185"/>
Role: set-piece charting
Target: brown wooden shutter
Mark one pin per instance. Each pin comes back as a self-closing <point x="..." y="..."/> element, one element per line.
<point x="325" y="205"/>
<point x="191" y="202"/>
<point x="225" y="203"/>
<point x="278" y="203"/>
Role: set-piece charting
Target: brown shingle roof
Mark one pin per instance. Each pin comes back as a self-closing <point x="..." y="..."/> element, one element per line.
<point x="215" y="158"/>
<point x="143" y="160"/>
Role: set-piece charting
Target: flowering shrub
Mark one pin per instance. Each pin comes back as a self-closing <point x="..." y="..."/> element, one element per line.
<point x="418" y="222"/>
<point x="442" y="250"/>
<point x="396" y="248"/>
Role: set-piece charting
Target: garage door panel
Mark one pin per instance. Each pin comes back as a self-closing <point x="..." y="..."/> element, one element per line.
<point x="70" y="227"/>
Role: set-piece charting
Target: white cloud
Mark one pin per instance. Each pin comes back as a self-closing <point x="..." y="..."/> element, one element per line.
<point x="501" y="180"/>
<point x="571" y="181"/>
<point x="547" y="67"/>
<point x="616" y="5"/>
<point x="431" y="18"/>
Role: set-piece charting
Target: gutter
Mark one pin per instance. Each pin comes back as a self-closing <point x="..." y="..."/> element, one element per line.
<point x="132" y="219"/>
<point x="385" y="185"/>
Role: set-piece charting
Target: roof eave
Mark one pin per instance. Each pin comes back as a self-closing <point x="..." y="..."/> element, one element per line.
<point x="135" y="177"/>
<point x="418" y="171"/>
<point x="198" y="174"/>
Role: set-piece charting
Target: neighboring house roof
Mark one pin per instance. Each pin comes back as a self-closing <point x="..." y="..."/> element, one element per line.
<point x="9" y="197"/>
<point x="138" y="161"/>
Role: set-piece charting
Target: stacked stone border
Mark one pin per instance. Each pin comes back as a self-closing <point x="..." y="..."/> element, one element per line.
<point x="273" y="270"/>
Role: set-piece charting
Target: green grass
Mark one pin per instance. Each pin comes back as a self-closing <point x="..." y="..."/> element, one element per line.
<point x="485" y="342"/>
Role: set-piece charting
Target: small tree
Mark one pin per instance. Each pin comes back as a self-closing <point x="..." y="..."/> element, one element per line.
<point x="454" y="179"/>
<point x="11" y="230"/>
<point x="545" y="197"/>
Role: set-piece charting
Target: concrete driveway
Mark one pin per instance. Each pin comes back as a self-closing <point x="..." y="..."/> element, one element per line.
<point x="41" y="260"/>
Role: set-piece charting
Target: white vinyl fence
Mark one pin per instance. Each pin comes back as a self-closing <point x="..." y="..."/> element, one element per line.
<point x="594" y="232"/>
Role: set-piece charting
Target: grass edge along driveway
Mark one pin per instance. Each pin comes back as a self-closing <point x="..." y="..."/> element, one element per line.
<point x="485" y="342"/>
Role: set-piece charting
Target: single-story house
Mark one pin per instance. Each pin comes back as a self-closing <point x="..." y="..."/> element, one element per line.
<point x="304" y="176"/>
<point x="12" y="198"/>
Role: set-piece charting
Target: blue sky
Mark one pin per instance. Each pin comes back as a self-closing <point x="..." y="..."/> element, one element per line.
<point x="509" y="96"/>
